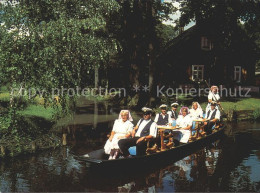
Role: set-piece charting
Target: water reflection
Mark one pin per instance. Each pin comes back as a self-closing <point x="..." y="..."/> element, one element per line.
<point x="232" y="164"/>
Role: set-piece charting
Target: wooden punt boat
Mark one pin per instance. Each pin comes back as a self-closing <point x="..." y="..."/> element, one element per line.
<point x="97" y="161"/>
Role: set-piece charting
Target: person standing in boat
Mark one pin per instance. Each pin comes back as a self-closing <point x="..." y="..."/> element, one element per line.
<point x="196" y="111"/>
<point x="144" y="130"/>
<point x="184" y="122"/>
<point x="213" y="97"/>
<point x="173" y="112"/>
<point x="212" y="116"/>
<point x="162" y="118"/>
<point x="122" y="128"/>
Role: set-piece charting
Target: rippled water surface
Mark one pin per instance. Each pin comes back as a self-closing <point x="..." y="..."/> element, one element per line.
<point x="231" y="164"/>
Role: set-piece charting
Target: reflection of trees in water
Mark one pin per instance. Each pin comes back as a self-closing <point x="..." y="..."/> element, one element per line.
<point x="188" y="174"/>
<point x="50" y="171"/>
<point x="217" y="168"/>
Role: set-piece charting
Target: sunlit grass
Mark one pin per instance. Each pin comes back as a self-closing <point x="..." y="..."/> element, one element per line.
<point x="5" y="96"/>
<point x="38" y="111"/>
<point x="241" y="104"/>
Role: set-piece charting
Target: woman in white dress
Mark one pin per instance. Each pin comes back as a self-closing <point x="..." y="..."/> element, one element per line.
<point x="213" y="96"/>
<point x="196" y="111"/>
<point x="122" y="129"/>
<point x="184" y="122"/>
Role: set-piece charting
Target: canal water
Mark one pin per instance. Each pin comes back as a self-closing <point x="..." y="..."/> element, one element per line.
<point x="230" y="164"/>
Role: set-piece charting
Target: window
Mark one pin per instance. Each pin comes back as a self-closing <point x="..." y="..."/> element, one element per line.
<point x="197" y="72"/>
<point x="237" y="73"/>
<point x="206" y="44"/>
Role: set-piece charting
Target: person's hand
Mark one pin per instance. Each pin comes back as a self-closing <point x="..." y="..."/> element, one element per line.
<point x="139" y="140"/>
<point x="205" y="123"/>
<point x="110" y="138"/>
<point x="133" y="133"/>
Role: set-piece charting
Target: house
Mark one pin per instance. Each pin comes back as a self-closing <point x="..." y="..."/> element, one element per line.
<point x="197" y="54"/>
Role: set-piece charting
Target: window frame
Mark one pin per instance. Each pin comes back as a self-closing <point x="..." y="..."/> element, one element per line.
<point x="237" y="69"/>
<point x="206" y="43"/>
<point x="196" y="72"/>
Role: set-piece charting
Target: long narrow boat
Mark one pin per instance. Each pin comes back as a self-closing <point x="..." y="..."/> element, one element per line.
<point x="98" y="161"/>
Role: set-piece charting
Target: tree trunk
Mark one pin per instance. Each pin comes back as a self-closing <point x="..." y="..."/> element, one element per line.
<point x="153" y="44"/>
<point x="96" y="76"/>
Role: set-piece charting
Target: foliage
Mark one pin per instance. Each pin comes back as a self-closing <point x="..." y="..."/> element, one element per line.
<point x="165" y="33"/>
<point x="256" y="114"/>
<point x="51" y="44"/>
<point x="225" y="16"/>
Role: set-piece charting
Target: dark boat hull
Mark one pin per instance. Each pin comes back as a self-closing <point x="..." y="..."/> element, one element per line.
<point x="154" y="160"/>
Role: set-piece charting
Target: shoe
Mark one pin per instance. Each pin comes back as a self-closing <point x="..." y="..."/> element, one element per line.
<point x="203" y="133"/>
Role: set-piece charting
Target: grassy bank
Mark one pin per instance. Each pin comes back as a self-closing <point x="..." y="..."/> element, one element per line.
<point x="38" y="111"/>
<point x="244" y="108"/>
<point x="26" y="128"/>
<point x="244" y="104"/>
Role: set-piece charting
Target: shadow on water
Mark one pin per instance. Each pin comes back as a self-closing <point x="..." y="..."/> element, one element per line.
<point x="231" y="164"/>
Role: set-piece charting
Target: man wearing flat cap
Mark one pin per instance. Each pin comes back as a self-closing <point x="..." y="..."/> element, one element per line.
<point x="212" y="116"/>
<point x="162" y="118"/>
<point x="173" y="113"/>
<point x="144" y="130"/>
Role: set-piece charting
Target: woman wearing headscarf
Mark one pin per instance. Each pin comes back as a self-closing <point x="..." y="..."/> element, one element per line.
<point x="122" y="129"/>
<point x="196" y="111"/>
<point x="213" y="97"/>
<point x="184" y="122"/>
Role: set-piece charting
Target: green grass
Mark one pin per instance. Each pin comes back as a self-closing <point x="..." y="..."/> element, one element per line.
<point x="240" y="105"/>
<point x="38" y="111"/>
<point x="4" y="96"/>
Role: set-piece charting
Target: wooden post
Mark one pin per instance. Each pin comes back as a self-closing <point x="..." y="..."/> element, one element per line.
<point x="3" y="151"/>
<point x="162" y="140"/>
<point x="64" y="139"/>
<point x="33" y="146"/>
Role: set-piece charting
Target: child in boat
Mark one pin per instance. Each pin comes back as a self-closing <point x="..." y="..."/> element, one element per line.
<point x="122" y="129"/>
<point x="212" y="116"/>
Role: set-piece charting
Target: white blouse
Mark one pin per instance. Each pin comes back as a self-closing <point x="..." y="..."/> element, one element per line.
<point x="195" y="114"/>
<point x="184" y="121"/>
<point x="213" y="97"/>
<point x="121" y="127"/>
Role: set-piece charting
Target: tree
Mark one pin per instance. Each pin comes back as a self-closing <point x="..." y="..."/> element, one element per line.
<point x="140" y="43"/>
<point x="54" y="44"/>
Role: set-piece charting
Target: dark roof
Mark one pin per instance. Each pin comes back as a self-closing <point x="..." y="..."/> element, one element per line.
<point x="178" y="42"/>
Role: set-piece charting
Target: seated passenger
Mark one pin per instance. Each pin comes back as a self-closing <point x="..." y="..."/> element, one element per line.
<point x="173" y="113"/>
<point x="144" y="130"/>
<point x="196" y="111"/>
<point x="184" y="122"/>
<point x="212" y="116"/>
<point x="162" y="118"/>
<point x="122" y="129"/>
